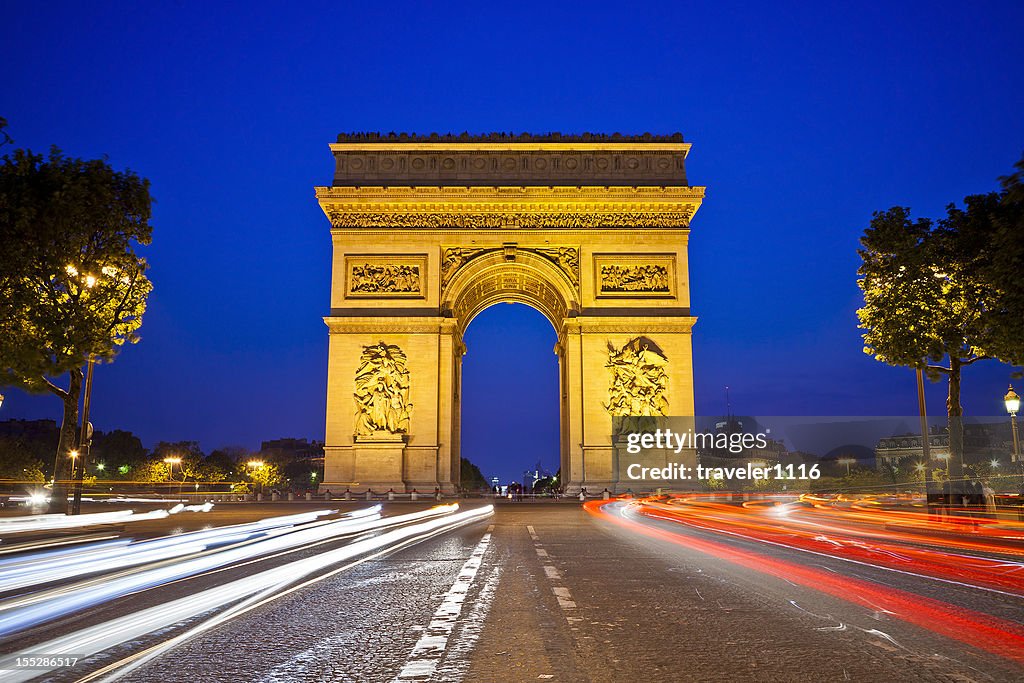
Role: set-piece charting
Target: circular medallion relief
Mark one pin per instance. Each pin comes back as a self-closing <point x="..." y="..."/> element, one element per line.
<point x="356" y="163"/>
<point x="571" y="164"/>
<point x="418" y="163"/>
<point x="663" y="164"/>
<point x="540" y="164"/>
<point x="601" y="163"/>
<point x="632" y="162"/>
<point x="448" y="164"/>
<point x="478" y="163"/>
<point x="509" y="164"/>
<point x="387" y="164"/>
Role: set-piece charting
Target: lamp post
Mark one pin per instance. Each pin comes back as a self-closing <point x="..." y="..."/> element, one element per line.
<point x="84" y="438"/>
<point x="257" y="464"/>
<point x="1012" y="401"/>
<point x="172" y="461"/>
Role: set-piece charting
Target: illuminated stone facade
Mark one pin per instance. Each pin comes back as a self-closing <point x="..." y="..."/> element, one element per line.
<point x="429" y="231"/>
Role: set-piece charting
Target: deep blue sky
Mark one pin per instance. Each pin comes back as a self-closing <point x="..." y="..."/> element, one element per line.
<point x="805" y="117"/>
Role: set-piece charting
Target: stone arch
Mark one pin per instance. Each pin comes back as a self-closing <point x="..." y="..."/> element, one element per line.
<point x="422" y="244"/>
<point x="519" y="276"/>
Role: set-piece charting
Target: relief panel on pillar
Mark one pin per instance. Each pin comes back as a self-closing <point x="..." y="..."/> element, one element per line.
<point x="638" y="385"/>
<point x="389" y="276"/>
<point x="381" y="393"/>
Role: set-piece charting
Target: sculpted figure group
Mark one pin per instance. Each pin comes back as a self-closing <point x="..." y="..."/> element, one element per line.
<point x="369" y="278"/>
<point x="639" y="383"/>
<point x="649" y="278"/>
<point x="382" y="391"/>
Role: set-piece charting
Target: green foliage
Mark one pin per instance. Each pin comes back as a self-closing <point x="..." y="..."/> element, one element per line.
<point x="74" y="285"/>
<point x="947" y="290"/>
<point x="265" y="475"/>
<point x="151" y="471"/>
<point x="472" y="479"/>
<point x="71" y="285"/>
<point x="937" y="290"/>
<point x="303" y="473"/>
<point x="117" y="449"/>
<point x="18" y="462"/>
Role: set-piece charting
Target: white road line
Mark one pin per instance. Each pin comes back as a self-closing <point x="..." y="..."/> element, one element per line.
<point x="562" y="594"/>
<point x="552" y="573"/>
<point x="427" y="653"/>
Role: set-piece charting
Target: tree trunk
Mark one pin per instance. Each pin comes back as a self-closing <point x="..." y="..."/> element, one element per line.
<point x="955" y="413"/>
<point x="67" y="443"/>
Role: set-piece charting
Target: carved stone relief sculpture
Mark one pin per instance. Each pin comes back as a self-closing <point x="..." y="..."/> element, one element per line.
<point x="382" y="391"/>
<point x="566" y="258"/>
<point x="639" y="382"/>
<point x="385" y="278"/>
<point x="454" y="259"/>
<point x="635" y="278"/>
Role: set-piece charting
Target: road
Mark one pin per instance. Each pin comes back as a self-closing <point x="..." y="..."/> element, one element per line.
<point x="686" y="589"/>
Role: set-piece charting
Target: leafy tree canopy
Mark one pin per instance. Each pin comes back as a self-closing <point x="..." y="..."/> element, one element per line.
<point x="71" y="284"/>
<point x="941" y="295"/>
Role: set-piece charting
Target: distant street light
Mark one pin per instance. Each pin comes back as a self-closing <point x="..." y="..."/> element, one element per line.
<point x="847" y="462"/>
<point x="257" y="464"/>
<point x="994" y="463"/>
<point x="1012" y="401"/>
<point x="172" y="461"/>
<point x="1" y="400"/>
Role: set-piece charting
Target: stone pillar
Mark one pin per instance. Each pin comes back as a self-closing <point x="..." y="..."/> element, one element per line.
<point x="378" y="459"/>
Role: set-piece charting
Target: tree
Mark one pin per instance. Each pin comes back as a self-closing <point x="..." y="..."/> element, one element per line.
<point x="940" y="296"/>
<point x="472" y="479"/>
<point x="266" y="474"/>
<point x="118" y="449"/>
<point x="18" y="462"/>
<point x="72" y="284"/>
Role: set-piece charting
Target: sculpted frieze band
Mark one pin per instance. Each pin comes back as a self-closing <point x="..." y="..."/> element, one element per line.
<point x="348" y="219"/>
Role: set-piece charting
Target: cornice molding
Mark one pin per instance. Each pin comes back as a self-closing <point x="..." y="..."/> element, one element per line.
<point x="379" y="325"/>
<point x="491" y="193"/>
<point x="629" y="325"/>
<point x="507" y="207"/>
<point x="405" y="138"/>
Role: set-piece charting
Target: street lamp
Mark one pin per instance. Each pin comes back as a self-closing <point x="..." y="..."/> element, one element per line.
<point x="1" y="400"/>
<point x="847" y="462"/>
<point x="172" y="461"/>
<point x="1012" y="401"/>
<point x="257" y="464"/>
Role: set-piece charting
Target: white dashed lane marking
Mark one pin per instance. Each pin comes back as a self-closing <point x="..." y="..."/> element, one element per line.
<point x="562" y="593"/>
<point x="427" y="653"/>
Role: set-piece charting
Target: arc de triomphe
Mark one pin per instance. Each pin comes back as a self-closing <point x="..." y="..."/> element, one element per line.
<point x="428" y="231"/>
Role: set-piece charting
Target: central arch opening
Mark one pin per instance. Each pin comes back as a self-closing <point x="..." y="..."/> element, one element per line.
<point x="510" y="402"/>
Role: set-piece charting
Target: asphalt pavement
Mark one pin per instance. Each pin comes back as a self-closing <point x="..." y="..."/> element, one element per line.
<point x="550" y="592"/>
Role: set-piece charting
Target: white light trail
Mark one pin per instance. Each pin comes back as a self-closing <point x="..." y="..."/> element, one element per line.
<point x="23" y="612"/>
<point x="262" y="587"/>
<point x="44" y="567"/>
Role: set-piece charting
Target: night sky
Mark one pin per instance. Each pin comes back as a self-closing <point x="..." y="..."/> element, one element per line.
<point x="803" y="118"/>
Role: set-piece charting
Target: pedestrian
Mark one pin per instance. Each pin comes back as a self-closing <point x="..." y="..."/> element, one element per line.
<point x="989" y="496"/>
<point x="327" y="494"/>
